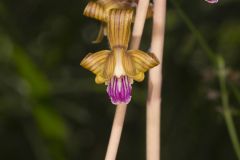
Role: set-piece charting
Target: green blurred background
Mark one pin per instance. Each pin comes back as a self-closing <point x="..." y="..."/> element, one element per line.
<point x="51" y="108"/>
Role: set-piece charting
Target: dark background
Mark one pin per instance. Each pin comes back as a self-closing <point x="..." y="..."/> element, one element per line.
<point x="51" y="108"/>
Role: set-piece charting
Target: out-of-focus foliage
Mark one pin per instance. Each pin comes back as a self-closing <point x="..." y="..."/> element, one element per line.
<point x="51" y="109"/>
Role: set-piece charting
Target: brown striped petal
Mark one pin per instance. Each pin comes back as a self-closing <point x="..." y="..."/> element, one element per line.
<point x="115" y="4"/>
<point x="128" y="65"/>
<point x="99" y="79"/>
<point x="95" y="10"/>
<point x="119" y="27"/>
<point x="142" y="62"/>
<point x="109" y="67"/>
<point x="100" y="10"/>
<point x="139" y="77"/>
<point x="95" y="62"/>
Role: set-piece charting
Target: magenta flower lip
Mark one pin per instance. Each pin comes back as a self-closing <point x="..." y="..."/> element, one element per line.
<point x="119" y="90"/>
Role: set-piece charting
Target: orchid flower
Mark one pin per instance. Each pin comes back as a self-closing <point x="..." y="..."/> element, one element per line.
<point x="119" y="67"/>
<point x="100" y="10"/>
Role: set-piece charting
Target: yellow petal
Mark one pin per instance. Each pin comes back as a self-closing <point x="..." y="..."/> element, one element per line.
<point x="95" y="10"/>
<point x="139" y="77"/>
<point x="100" y="9"/>
<point x="114" y="4"/>
<point x="119" y="27"/>
<point x="95" y="62"/>
<point x="142" y="62"/>
<point x="99" y="79"/>
<point x="109" y="67"/>
<point x="128" y="65"/>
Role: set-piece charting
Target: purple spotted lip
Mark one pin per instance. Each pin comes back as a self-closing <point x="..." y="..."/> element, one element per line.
<point x="120" y="90"/>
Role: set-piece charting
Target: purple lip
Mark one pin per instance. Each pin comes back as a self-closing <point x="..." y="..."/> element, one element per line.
<point x="119" y="90"/>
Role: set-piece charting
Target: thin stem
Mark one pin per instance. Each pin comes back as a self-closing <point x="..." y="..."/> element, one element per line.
<point x="155" y="83"/>
<point x="116" y="132"/>
<point x="235" y="92"/>
<point x="121" y="109"/>
<point x="141" y="15"/>
<point x="226" y="108"/>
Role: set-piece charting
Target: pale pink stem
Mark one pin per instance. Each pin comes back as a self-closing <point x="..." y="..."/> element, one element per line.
<point x="139" y="23"/>
<point x="116" y="132"/>
<point x="155" y="82"/>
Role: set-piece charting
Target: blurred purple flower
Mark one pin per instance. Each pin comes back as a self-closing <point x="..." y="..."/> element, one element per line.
<point x="212" y="1"/>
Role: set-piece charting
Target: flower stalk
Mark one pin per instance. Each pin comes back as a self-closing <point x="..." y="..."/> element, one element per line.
<point x="116" y="132"/>
<point x="144" y="10"/>
<point x="226" y="108"/>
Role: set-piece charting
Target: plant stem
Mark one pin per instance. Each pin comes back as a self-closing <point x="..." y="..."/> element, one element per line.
<point x="116" y="132"/>
<point x="121" y="109"/>
<point x="235" y="92"/>
<point x="139" y="22"/>
<point x="226" y="108"/>
<point x="155" y="83"/>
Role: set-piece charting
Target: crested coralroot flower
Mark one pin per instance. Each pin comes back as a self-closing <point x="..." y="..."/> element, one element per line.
<point x="100" y="10"/>
<point x="119" y="67"/>
<point x="212" y="1"/>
